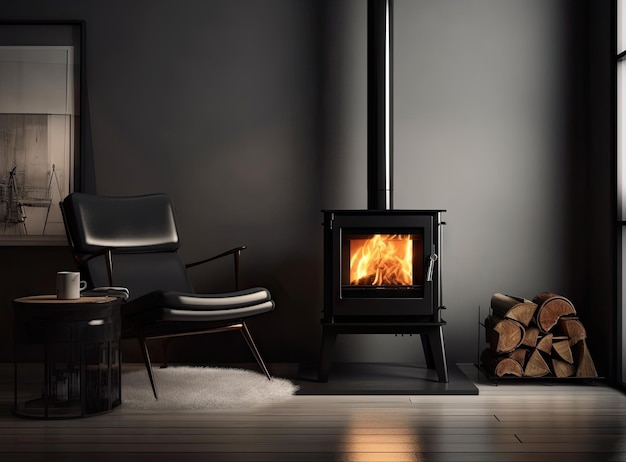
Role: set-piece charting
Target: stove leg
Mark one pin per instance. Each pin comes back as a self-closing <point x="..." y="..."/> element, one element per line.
<point x="435" y="352"/>
<point x="428" y="351"/>
<point x="328" y="343"/>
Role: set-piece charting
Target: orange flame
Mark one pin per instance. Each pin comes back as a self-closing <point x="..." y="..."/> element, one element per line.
<point x="382" y="260"/>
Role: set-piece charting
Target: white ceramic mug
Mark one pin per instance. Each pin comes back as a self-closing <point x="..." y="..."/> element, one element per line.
<point x="69" y="285"/>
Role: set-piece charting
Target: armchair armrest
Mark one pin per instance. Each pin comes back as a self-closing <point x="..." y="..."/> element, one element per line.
<point x="235" y="252"/>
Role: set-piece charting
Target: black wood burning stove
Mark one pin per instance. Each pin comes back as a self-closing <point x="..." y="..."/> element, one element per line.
<point x="382" y="267"/>
<point x="382" y="274"/>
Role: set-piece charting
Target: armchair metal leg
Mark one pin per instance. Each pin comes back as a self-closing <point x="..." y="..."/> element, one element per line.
<point x="146" y="360"/>
<point x="246" y="334"/>
<point x="164" y="345"/>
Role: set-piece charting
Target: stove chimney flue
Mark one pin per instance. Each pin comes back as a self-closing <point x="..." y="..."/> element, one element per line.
<point x="379" y="105"/>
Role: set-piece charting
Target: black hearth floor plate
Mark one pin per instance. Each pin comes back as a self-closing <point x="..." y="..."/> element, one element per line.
<point x="383" y="379"/>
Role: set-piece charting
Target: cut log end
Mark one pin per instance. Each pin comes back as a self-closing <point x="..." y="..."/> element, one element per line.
<point x="500" y="365"/>
<point x="563" y="351"/>
<point x="562" y="368"/>
<point x="504" y="335"/>
<point x="582" y="359"/>
<point x="551" y="307"/>
<point x="571" y="328"/>
<point x="516" y="308"/>
<point x="536" y="366"/>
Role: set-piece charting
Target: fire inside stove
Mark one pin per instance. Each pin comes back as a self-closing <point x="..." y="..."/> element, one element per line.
<point x="378" y="261"/>
<point x="382" y="260"/>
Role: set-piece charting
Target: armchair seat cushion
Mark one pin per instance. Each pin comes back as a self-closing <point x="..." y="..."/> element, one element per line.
<point x="179" y="306"/>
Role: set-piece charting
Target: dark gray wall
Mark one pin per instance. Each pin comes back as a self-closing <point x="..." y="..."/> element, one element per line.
<point x="213" y="102"/>
<point x="251" y="114"/>
<point x="493" y="123"/>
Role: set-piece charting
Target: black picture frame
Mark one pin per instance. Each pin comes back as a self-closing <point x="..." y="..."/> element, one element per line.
<point x="42" y="132"/>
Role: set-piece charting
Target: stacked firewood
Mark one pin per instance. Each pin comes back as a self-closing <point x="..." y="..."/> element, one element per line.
<point x="542" y="337"/>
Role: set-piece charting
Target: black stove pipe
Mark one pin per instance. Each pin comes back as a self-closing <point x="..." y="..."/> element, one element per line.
<point x="379" y="105"/>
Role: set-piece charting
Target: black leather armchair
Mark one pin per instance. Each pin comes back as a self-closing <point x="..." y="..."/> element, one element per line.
<point x="132" y="242"/>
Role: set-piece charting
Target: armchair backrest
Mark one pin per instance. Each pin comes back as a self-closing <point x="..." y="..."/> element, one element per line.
<point x="128" y="224"/>
<point x="140" y="232"/>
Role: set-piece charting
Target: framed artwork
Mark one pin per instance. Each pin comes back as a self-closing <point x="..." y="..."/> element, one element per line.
<point x="41" y="70"/>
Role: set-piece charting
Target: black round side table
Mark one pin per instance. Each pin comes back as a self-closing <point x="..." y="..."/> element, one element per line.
<point x="78" y="342"/>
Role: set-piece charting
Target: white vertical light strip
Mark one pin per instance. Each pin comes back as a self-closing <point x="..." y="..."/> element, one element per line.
<point x="621" y="179"/>
<point x="621" y="25"/>
<point x="621" y="111"/>
<point x="388" y="96"/>
<point x="621" y="157"/>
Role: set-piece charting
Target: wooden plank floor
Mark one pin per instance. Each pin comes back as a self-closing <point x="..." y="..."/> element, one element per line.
<point x="539" y="421"/>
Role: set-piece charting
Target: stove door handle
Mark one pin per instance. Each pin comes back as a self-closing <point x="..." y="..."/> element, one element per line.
<point x="431" y="266"/>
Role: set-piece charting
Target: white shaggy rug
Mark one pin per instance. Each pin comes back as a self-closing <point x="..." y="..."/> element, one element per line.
<point x="188" y="388"/>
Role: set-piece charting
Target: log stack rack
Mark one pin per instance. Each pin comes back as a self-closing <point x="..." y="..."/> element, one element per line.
<point x="542" y="338"/>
